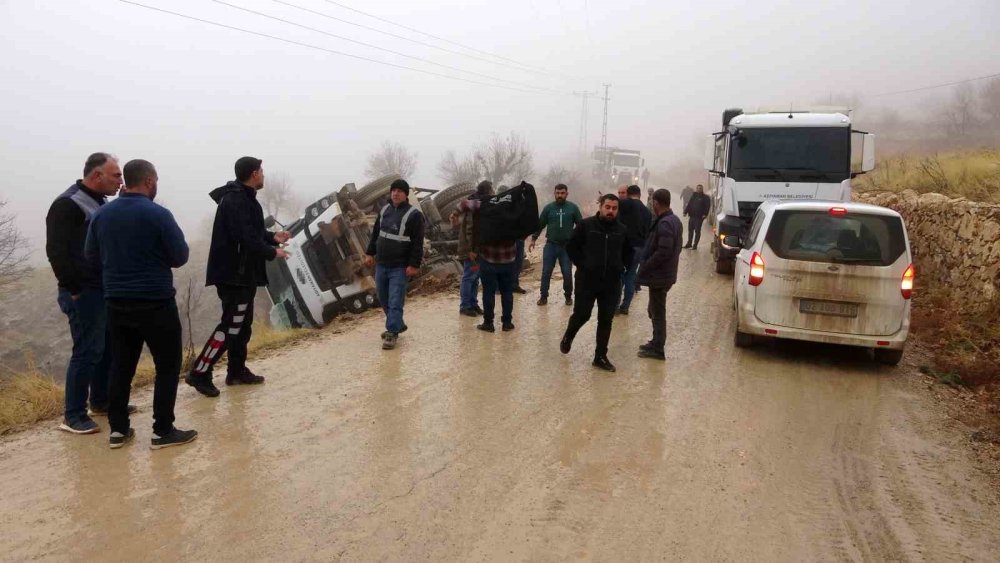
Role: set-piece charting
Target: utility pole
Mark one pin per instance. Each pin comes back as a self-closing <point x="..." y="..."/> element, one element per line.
<point x="604" y="128"/>
<point x="584" y="112"/>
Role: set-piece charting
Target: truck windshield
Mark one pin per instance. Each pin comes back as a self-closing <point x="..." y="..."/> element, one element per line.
<point x="791" y="154"/>
<point x="627" y="160"/>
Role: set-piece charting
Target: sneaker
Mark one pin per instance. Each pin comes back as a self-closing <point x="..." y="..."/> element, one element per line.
<point x="478" y="310"/>
<point x="603" y="363"/>
<point x="565" y="344"/>
<point x="542" y="301"/>
<point x="404" y="328"/>
<point x="520" y="290"/>
<point x="246" y="378"/>
<point x="389" y="341"/>
<point x="468" y="312"/>
<point x="647" y="346"/>
<point x="569" y="300"/>
<point x="203" y="384"/>
<point x="118" y="439"/>
<point x="103" y="411"/>
<point x="174" y="438"/>
<point x="623" y="310"/>
<point x="486" y="327"/>
<point x="686" y="246"/>
<point x="651" y="354"/>
<point x="507" y="327"/>
<point x="83" y="426"/>
<point x="695" y="247"/>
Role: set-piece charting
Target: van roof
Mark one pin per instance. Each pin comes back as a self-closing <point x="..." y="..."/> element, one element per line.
<point x="825" y="205"/>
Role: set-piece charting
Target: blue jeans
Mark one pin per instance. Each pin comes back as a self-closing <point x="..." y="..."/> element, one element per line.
<point x="551" y="254"/>
<point x="90" y="363"/>
<point x="390" y="281"/>
<point x="628" y="278"/>
<point x="469" y="288"/>
<point x="518" y="262"/>
<point x="497" y="276"/>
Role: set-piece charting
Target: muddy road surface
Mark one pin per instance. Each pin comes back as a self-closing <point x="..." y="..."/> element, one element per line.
<point x="462" y="445"/>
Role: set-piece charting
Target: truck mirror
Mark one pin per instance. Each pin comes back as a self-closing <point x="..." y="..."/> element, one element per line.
<point x="269" y="222"/>
<point x="868" y="153"/>
<point x="709" y="157"/>
<point x="732" y="241"/>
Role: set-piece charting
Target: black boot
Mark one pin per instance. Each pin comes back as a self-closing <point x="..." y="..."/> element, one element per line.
<point x="602" y="362"/>
<point x="245" y="378"/>
<point x="203" y="384"/>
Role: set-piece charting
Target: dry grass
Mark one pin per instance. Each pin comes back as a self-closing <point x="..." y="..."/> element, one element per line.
<point x="972" y="174"/>
<point x="29" y="395"/>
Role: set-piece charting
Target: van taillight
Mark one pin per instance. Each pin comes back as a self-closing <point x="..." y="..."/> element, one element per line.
<point x="756" y="269"/>
<point x="906" y="286"/>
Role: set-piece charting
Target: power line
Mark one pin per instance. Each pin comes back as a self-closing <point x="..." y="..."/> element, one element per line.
<point x="371" y="46"/>
<point x="450" y="42"/>
<point x="923" y="88"/>
<point x="410" y="39"/>
<point x="326" y="50"/>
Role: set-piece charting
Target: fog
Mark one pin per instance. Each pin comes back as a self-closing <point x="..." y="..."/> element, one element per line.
<point x="80" y="77"/>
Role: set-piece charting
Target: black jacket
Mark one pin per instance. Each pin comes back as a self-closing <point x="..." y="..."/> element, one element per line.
<point x="393" y="246"/>
<point x="600" y="250"/>
<point x="509" y="215"/>
<point x="240" y="244"/>
<point x="698" y="206"/>
<point x="662" y="252"/>
<point x="66" y="227"/>
<point x="636" y="218"/>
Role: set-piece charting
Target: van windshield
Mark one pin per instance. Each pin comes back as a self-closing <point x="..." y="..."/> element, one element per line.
<point x="855" y="238"/>
<point x="791" y="154"/>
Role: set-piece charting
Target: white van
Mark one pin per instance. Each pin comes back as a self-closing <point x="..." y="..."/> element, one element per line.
<point x="835" y="272"/>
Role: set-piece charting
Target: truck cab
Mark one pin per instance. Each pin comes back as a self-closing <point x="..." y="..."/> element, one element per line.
<point x="781" y="155"/>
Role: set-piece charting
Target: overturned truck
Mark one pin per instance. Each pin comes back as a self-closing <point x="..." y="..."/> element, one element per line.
<point x="324" y="274"/>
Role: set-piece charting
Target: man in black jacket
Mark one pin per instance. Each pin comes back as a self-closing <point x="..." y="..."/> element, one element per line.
<point x="240" y="246"/>
<point x="637" y="219"/>
<point x="658" y="270"/>
<point x="697" y="208"/>
<point x="396" y="249"/>
<point x="81" y="297"/>
<point x="600" y="249"/>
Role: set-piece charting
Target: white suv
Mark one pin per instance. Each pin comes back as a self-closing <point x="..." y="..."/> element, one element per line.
<point x="835" y="272"/>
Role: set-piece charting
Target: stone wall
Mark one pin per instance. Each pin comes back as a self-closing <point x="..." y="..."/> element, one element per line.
<point x="955" y="244"/>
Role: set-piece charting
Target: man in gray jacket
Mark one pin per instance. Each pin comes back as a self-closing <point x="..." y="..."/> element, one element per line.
<point x="658" y="270"/>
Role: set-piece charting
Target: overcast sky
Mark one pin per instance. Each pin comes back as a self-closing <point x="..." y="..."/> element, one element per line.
<point x="79" y="77"/>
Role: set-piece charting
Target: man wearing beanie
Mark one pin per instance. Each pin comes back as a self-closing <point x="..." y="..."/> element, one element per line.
<point x="395" y="248"/>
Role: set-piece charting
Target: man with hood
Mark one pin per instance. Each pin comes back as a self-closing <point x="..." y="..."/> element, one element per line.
<point x="600" y="250"/>
<point x="240" y="247"/>
<point x="395" y="249"/>
<point x="464" y="217"/>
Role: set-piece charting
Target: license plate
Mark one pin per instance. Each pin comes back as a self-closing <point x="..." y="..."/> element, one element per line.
<point x="833" y="308"/>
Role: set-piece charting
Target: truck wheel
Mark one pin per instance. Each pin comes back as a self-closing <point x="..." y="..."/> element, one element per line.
<point x="888" y="357"/>
<point x="446" y="197"/>
<point x="371" y="192"/>
<point x="356" y="304"/>
<point x="724" y="266"/>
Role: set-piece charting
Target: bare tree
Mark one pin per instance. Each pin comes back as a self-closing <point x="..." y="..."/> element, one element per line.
<point x="559" y="174"/>
<point x="959" y="113"/>
<point x="504" y="159"/>
<point x="189" y="300"/>
<point x="391" y="158"/>
<point x="277" y="197"/>
<point x="989" y="99"/>
<point x="13" y="253"/>
<point x="455" y="171"/>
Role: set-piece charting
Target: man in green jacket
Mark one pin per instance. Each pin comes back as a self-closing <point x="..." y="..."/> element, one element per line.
<point x="558" y="220"/>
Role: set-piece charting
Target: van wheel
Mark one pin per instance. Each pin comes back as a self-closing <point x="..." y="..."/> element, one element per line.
<point x="724" y="266"/>
<point x="356" y="305"/>
<point x="888" y="357"/>
<point x="742" y="339"/>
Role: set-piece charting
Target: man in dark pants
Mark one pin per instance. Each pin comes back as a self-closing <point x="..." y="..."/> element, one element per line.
<point x="497" y="270"/>
<point x="464" y="217"/>
<point x="395" y="248"/>
<point x="558" y="220"/>
<point x="637" y="219"/>
<point x="697" y="208"/>
<point x="599" y="248"/>
<point x="658" y="270"/>
<point x="81" y="297"/>
<point x="137" y="243"/>
<point x="240" y="246"/>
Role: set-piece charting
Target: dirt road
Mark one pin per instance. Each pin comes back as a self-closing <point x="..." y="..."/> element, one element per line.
<point x="469" y="446"/>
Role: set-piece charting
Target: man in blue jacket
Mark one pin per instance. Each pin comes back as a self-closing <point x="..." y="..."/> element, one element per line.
<point x="395" y="248"/>
<point x="240" y="247"/>
<point x="658" y="270"/>
<point x="137" y="243"/>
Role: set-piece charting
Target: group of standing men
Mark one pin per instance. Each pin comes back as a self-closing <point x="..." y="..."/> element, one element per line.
<point x="113" y="262"/>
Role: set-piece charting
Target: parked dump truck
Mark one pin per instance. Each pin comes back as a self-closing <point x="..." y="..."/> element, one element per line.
<point x="325" y="275"/>
<point x="778" y="154"/>
<point x="617" y="167"/>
